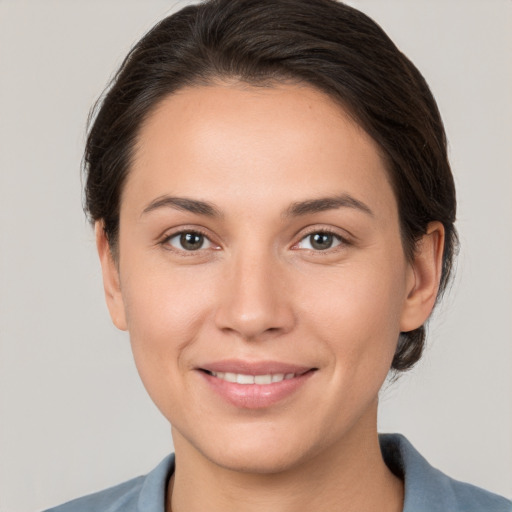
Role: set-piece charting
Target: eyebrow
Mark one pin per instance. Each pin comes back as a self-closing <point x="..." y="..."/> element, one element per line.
<point x="183" y="203"/>
<point x="326" y="203"/>
<point x="294" y="210"/>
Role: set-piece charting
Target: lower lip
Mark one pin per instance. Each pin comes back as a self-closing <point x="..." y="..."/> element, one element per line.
<point x="255" y="396"/>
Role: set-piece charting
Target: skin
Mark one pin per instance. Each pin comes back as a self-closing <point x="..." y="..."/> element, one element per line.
<point x="258" y="290"/>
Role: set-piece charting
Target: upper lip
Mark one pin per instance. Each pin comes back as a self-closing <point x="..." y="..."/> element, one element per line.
<point x="254" y="367"/>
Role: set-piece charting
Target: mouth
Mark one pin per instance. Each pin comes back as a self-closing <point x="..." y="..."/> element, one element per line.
<point x="255" y="385"/>
<point x="247" y="379"/>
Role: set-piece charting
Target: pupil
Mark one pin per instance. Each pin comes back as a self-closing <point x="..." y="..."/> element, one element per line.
<point x="191" y="241"/>
<point x="321" y="241"/>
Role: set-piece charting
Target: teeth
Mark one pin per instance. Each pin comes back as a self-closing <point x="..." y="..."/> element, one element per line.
<point x="241" y="378"/>
<point x="244" y="379"/>
<point x="263" y="379"/>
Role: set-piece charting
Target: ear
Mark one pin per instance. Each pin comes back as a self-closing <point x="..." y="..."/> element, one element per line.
<point x="111" y="281"/>
<point x="425" y="275"/>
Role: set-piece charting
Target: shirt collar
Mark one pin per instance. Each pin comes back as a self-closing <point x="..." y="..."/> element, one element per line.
<point x="426" y="489"/>
<point x="153" y="493"/>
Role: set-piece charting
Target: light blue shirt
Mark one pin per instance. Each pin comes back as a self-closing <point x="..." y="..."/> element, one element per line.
<point x="426" y="488"/>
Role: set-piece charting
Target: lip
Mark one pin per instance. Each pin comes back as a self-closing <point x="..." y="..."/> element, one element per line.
<point x="253" y="367"/>
<point x="254" y="396"/>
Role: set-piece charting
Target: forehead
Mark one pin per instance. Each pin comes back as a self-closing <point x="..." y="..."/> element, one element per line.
<point x="224" y="141"/>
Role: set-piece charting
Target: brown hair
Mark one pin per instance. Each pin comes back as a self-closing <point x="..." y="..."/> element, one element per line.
<point x="324" y="43"/>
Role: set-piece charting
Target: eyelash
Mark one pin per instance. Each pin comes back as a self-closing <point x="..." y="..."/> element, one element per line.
<point x="323" y="231"/>
<point x="341" y="241"/>
<point x="179" y="234"/>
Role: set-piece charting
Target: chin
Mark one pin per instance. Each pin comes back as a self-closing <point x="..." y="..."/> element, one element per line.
<point x="258" y="449"/>
<point x="256" y="461"/>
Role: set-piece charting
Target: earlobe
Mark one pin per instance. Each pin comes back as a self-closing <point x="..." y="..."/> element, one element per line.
<point x="111" y="281"/>
<point x="425" y="278"/>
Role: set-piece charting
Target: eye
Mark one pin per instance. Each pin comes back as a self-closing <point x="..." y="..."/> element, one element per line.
<point x="189" y="241"/>
<point x="319" y="241"/>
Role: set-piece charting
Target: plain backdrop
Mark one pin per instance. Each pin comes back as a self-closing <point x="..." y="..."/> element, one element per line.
<point x="73" y="416"/>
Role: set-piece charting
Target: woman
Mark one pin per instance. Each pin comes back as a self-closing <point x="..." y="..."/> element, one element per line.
<point x="274" y="216"/>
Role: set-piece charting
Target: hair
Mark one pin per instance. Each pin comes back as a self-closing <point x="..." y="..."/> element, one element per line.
<point x="322" y="43"/>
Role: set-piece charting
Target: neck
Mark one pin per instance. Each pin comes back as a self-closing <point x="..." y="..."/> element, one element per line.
<point x="350" y="476"/>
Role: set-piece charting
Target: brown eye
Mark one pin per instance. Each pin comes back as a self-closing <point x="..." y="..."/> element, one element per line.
<point x="319" y="241"/>
<point x="189" y="241"/>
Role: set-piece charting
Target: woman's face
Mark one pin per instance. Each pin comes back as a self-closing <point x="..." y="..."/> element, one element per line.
<point x="259" y="243"/>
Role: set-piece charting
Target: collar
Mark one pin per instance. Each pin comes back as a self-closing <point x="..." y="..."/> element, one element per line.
<point x="426" y="488"/>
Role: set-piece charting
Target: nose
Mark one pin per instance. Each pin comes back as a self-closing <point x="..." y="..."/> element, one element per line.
<point x="255" y="300"/>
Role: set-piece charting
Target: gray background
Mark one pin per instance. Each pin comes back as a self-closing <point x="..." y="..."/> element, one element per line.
<point x="73" y="416"/>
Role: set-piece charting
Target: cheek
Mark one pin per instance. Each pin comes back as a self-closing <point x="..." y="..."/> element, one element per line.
<point x="166" y="312"/>
<point x="356" y="312"/>
<point x="162" y="300"/>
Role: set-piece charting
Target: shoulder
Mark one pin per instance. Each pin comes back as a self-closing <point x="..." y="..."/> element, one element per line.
<point x="141" y="494"/>
<point x="120" y="497"/>
<point x="428" y="489"/>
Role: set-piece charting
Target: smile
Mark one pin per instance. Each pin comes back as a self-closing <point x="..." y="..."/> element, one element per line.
<point x="254" y="385"/>
<point x="241" y="378"/>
